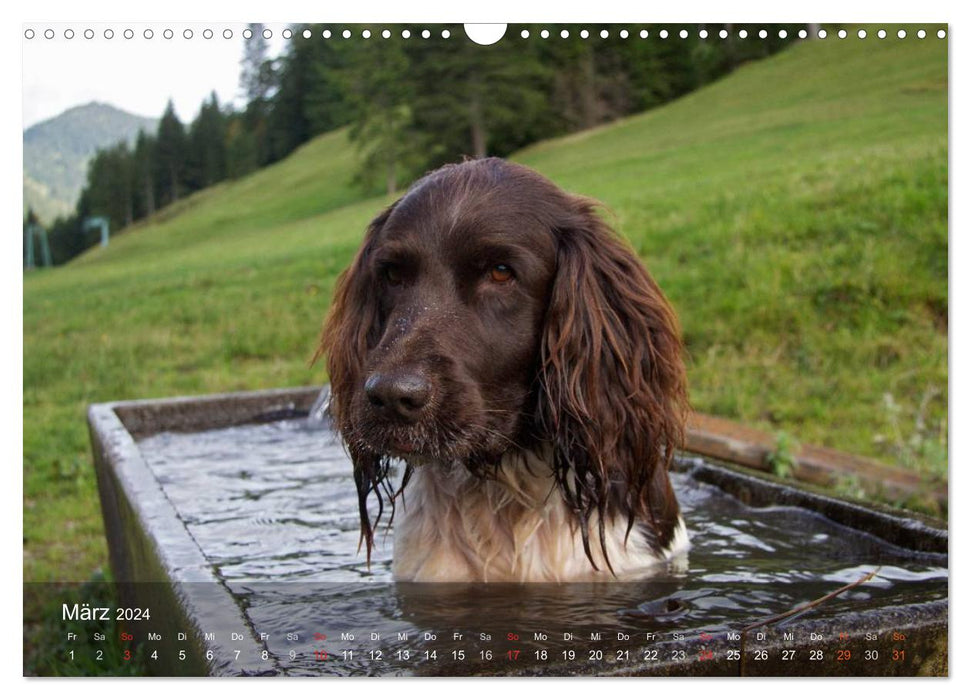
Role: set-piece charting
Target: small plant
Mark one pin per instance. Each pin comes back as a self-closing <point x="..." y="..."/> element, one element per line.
<point x="850" y="486"/>
<point x="783" y="458"/>
<point x="72" y="471"/>
<point x="922" y="447"/>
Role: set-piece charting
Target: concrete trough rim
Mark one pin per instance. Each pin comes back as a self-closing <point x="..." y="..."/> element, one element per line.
<point x="183" y="562"/>
<point x="912" y="531"/>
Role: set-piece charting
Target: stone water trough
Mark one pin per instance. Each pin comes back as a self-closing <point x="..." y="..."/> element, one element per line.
<point x="233" y="518"/>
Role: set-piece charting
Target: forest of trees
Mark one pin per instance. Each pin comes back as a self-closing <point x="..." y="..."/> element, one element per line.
<point x="410" y="105"/>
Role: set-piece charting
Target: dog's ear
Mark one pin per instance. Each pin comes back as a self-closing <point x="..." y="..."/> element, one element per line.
<point x="612" y="396"/>
<point x="352" y="328"/>
<point x="352" y="325"/>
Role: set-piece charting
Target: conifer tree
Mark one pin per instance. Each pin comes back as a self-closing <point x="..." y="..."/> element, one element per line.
<point x="379" y="94"/>
<point x="258" y="81"/>
<point x="206" y="153"/>
<point x="475" y="100"/>
<point x="170" y="153"/>
<point x="143" y="175"/>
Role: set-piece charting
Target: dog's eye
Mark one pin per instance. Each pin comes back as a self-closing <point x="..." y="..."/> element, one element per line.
<point x="392" y="273"/>
<point x="501" y="273"/>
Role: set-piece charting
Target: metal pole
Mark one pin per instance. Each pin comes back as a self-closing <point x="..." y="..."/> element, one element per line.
<point x="102" y="222"/>
<point x="30" y="247"/>
<point x="45" y="248"/>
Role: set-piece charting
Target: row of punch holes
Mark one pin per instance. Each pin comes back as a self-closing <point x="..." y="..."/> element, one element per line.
<point x="445" y="34"/>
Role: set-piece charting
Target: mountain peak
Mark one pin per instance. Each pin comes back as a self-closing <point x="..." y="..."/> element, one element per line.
<point x="57" y="151"/>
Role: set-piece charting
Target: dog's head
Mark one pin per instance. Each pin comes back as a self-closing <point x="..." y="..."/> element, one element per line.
<point x="488" y="311"/>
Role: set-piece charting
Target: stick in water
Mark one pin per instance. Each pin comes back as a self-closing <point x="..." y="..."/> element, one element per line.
<point x="796" y="611"/>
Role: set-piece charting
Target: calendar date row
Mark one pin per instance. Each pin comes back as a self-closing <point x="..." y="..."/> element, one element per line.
<point x="535" y="655"/>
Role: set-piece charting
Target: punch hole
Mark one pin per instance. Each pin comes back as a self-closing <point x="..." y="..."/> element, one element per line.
<point x="663" y="34"/>
<point x="267" y="34"/>
<point x="921" y="33"/>
<point x="584" y="34"/>
<point x="366" y="34"/>
<point x="49" y="34"/>
<point x="129" y="34"/>
<point x="604" y="33"/>
<point x="247" y="33"/>
<point x="643" y="34"/>
<point x="861" y="33"/>
<point x="624" y="34"/>
<point x="168" y="34"/>
<point x="763" y="34"/>
<point x="346" y="33"/>
<point x="89" y="34"/>
<point x="69" y="34"/>
<point x="742" y="34"/>
<point x="425" y="34"/>
<point x="901" y="34"/>
<point x="207" y="34"/>
<point x="386" y="34"/>
<point x="941" y="34"/>
<point x="683" y="33"/>
<point x="703" y="34"/>
<point x="486" y="34"/>
<point x="29" y="34"/>
<point x="882" y="34"/>
<point x="723" y="34"/>
<point x="821" y="34"/>
<point x="564" y="34"/>
<point x="228" y="34"/>
<point x="108" y="34"/>
<point x="841" y="33"/>
<point x="545" y="34"/>
<point x="325" y="34"/>
<point x="783" y="33"/>
<point x="803" y="33"/>
<point x="524" y="34"/>
<point x="306" y="34"/>
<point x="148" y="34"/>
<point x="187" y="34"/>
<point x="446" y="34"/>
<point x="405" y="34"/>
<point x="287" y="34"/>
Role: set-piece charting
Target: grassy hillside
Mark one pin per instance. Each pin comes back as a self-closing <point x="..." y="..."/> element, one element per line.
<point x="795" y="213"/>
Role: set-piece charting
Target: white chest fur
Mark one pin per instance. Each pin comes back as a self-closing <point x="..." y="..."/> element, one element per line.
<point x="452" y="526"/>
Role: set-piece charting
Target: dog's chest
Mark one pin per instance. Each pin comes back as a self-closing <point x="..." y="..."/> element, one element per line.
<point x="453" y="526"/>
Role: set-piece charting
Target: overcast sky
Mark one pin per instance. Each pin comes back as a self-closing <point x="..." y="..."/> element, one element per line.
<point x="138" y="75"/>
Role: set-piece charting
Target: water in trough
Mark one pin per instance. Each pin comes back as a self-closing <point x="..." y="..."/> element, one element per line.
<point x="273" y="508"/>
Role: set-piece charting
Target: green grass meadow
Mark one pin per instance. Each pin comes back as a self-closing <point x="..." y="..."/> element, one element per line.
<point x="795" y="213"/>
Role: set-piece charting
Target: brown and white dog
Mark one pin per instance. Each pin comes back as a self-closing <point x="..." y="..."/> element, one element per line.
<point x="495" y="335"/>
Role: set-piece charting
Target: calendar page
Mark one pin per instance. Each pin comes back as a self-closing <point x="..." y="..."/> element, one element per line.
<point x="438" y="350"/>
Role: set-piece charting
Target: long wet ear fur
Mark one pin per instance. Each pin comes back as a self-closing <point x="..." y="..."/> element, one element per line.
<point x="352" y="329"/>
<point x="612" y="389"/>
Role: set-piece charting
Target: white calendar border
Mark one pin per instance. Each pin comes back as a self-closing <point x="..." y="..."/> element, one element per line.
<point x="494" y="10"/>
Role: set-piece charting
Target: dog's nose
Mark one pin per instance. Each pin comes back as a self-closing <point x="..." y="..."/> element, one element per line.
<point x="402" y="394"/>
